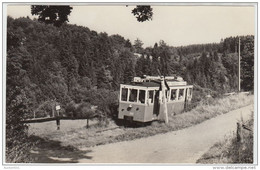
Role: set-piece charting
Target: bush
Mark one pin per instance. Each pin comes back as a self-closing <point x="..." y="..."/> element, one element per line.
<point x="70" y="109"/>
<point x="81" y="110"/>
<point x="85" y="110"/>
<point x="106" y="100"/>
<point x="17" y="143"/>
<point x="44" y="109"/>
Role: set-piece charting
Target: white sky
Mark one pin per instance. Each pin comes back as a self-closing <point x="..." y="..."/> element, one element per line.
<point x="176" y="25"/>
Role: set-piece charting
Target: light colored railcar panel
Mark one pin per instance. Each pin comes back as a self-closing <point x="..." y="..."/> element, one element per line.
<point x="142" y="100"/>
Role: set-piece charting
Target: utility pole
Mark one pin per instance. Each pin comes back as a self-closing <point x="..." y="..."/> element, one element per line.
<point x="164" y="113"/>
<point x="239" y="64"/>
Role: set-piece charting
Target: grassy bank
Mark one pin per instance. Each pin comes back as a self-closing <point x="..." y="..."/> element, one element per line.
<point x="230" y="150"/>
<point x="79" y="136"/>
<point x="205" y="110"/>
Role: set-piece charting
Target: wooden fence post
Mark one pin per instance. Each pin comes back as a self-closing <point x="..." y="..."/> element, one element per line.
<point x="240" y="140"/>
<point x="52" y="109"/>
<point x="239" y="132"/>
<point x="87" y="123"/>
<point x="58" y="123"/>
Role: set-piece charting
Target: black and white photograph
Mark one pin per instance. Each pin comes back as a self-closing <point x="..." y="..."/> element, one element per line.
<point x="130" y="84"/>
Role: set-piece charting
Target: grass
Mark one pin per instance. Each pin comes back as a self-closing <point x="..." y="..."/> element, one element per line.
<point x="230" y="150"/>
<point x="50" y="151"/>
<point x="75" y="133"/>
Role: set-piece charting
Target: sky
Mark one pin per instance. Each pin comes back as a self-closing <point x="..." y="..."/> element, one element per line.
<point x="176" y="25"/>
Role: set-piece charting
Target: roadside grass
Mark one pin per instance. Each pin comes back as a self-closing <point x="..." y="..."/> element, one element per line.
<point x="50" y="151"/>
<point x="230" y="150"/>
<point x="82" y="137"/>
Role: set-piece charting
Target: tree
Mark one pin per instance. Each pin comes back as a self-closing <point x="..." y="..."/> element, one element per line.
<point x="138" y="45"/>
<point x="155" y="60"/>
<point x="128" y="44"/>
<point x="51" y="14"/>
<point x="102" y="78"/>
<point x="165" y="59"/>
<point x="17" y="108"/>
<point x="57" y="15"/>
<point x="143" y="13"/>
<point x="247" y="63"/>
<point x="129" y="72"/>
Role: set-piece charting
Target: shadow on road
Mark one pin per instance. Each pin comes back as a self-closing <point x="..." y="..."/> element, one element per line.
<point x="50" y="151"/>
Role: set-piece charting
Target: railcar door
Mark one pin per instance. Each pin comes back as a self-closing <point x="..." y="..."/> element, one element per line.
<point x="156" y="109"/>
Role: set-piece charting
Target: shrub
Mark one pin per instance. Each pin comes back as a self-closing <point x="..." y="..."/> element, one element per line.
<point x="106" y="100"/>
<point x="70" y="109"/>
<point x="17" y="143"/>
<point x="85" y="110"/>
<point x="45" y="109"/>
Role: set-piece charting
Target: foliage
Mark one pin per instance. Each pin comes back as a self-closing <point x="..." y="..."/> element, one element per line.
<point x="85" y="110"/>
<point x="45" y="109"/>
<point x="57" y="15"/>
<point x="67" y="63"/>
<point x="247" y="63"/>
<point x="73" y="65"/>
<point x="230" y="150"/>
<point x="105" y="100"/>
<point x="138" y="45"/>
<point x="70" y="109"/>
<point x="51" y="14"/>
<point x="17" y="108"/>
<point x="143" y="13"/>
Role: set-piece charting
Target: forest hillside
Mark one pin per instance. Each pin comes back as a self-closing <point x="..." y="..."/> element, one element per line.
<point x="73" y="65"/>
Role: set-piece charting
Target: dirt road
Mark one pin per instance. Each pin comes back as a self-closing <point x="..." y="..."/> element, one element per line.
<point x="184" y="146"/>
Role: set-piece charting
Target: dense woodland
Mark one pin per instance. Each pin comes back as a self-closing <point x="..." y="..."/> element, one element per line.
<point x="74" y="66"/>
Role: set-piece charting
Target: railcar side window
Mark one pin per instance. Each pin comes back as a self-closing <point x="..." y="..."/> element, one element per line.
<point x="181" y="94"/>
<point x="124" y="94"/>
<point x="173" y="94"/>
<point x="142" y="96"/>
<point x="133" y="95"/>
<point x="150" y="97"/>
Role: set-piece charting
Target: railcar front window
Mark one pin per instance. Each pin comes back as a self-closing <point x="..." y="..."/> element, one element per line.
<point x="142" y="96"/>
<point x="133" y="95"/>
<point x="181" y="94"/>
<point x="150" y="96"/>
<point x="173" y="94"/>
<point x="124" y="94"/>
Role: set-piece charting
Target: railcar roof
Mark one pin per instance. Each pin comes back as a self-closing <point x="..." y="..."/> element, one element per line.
<point x="145" y="84"/>
<point x="155" y="84"/>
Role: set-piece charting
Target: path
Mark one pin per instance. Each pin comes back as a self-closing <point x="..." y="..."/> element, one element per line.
<point x="183" y="146"/>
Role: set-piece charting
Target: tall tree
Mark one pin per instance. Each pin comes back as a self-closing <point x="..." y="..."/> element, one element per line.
<point x="138" y="45"/>
<point x="165" y="58"/>
<point x="247" y="63"/>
